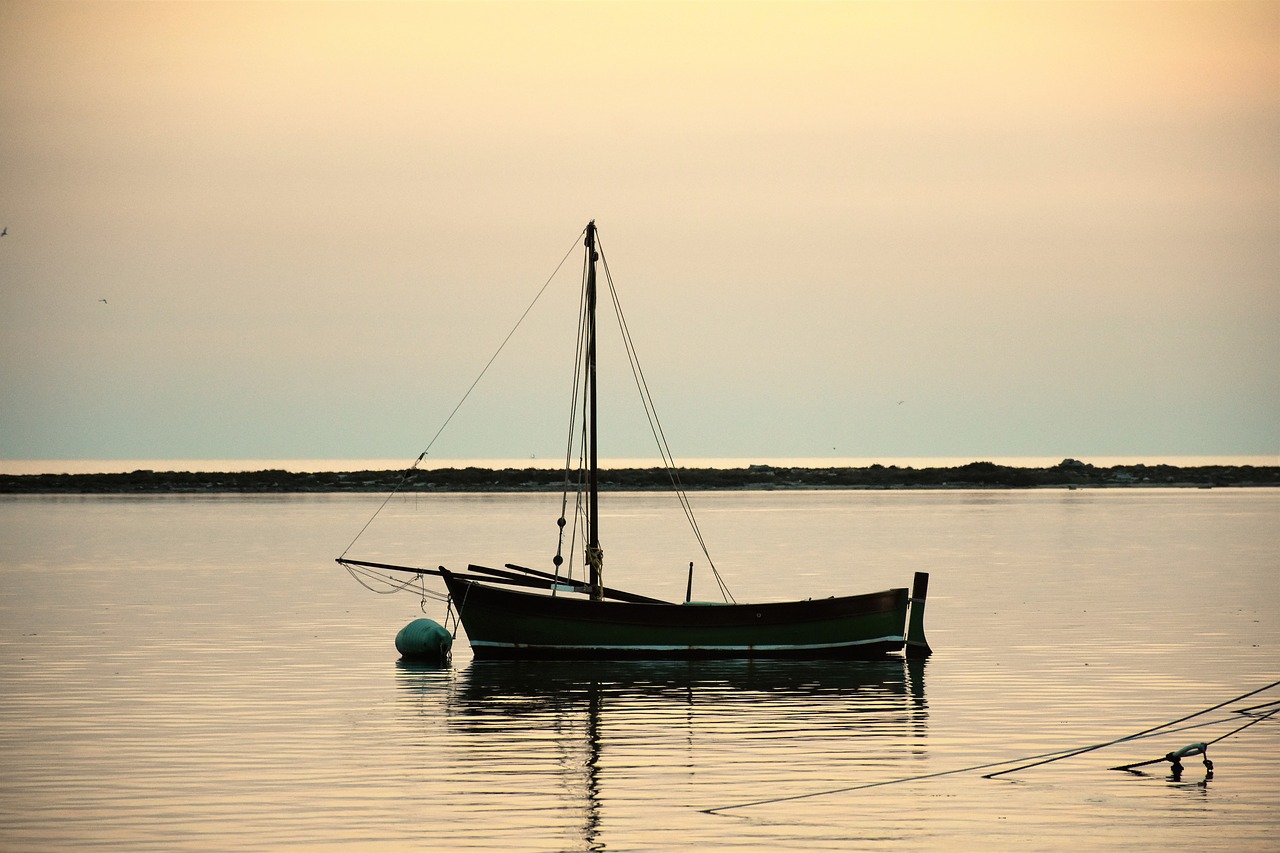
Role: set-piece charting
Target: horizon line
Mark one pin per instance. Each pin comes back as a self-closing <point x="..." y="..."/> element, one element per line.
<point x="21" y="467"/>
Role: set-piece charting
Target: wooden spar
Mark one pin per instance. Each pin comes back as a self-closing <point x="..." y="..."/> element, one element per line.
<point x="538" y="580"/>
<point x="513" y="580"/>
<point x="615" y="594"/>
<point x="343" y="561"/>
<point x="501" y="573"/>
<point x="594" y="557"/>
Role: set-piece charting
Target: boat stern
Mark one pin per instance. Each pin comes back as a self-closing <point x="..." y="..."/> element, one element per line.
<point x="916" y="645"/>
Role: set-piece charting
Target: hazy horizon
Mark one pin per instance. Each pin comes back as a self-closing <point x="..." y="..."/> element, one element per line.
<point x="124" y="466"/>
<point x="847" y="230"/>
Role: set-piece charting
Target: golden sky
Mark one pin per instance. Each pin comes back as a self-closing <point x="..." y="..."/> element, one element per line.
<point x="1051" y="227"/>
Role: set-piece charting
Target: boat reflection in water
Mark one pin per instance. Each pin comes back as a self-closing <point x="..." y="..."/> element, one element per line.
<point x="648" y="743"/>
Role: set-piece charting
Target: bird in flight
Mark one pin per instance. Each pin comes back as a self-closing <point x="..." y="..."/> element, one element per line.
<point x="103" y="301"/>
<point x="5" y="232"/>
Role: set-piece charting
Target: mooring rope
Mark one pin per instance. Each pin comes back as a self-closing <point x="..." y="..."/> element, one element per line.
<point x="954" y="772"/>
<point x="865" y="785"/>
<point x="1134" y="736"/>
<point x="1256" y="707"/>
<point x="1043" y="758"/>
<point x="1254" y="721"/>
<point x="1197" y="748"/>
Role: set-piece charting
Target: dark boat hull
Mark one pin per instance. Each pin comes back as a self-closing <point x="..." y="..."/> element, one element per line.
<point x="504" y="623"/>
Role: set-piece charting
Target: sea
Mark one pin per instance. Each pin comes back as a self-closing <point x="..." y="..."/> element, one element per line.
<point x="195" y="672"/>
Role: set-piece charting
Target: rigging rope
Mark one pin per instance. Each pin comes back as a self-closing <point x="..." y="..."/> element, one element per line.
<point x="409" y="471"/>
<point x="655" y="425"/>
<point x="391" y="583"/>
<point x="646" y="398"/>
<point x="578" y="377"/>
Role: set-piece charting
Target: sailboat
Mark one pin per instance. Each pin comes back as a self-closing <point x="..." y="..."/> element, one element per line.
<point x="516" y="612"/>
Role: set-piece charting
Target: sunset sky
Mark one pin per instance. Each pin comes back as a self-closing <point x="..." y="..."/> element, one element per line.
<point x="838" y="229"/>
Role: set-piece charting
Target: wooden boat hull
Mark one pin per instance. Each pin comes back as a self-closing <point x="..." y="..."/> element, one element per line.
<point x="505" y="623"/>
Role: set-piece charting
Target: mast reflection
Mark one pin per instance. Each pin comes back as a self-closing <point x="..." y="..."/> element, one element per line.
<point x="632" y="730"/>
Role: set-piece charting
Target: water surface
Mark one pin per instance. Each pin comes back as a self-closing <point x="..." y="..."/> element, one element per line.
<point x="196" y="673"/>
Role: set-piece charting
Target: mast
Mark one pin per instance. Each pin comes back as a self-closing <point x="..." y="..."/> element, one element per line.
<point x="595" y="557"/>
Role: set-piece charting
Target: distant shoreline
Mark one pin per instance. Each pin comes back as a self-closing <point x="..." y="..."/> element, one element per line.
<point x="975" y="475"/>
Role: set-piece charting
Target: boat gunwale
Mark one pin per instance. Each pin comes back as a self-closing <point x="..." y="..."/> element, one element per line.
<point x="771" y="614"/>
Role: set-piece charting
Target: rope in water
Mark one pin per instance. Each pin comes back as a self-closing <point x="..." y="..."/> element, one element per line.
<point x="1256" y="707"/>
<point x="1198" y="748"/>
<point x="1043" y="758"/>
<point x="1135" y="736"/>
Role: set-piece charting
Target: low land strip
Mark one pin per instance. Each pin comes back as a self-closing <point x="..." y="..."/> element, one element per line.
<point x="976" y="475"/>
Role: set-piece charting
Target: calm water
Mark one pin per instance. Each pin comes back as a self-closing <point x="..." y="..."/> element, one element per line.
<point x="196" y="673"/>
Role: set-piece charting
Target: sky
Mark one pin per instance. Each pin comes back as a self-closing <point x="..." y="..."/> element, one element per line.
<point x="300" y="230"/>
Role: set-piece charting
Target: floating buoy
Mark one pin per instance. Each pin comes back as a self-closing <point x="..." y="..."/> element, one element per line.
<point x="424" y="641"/>
<point x="1175" y="759"/>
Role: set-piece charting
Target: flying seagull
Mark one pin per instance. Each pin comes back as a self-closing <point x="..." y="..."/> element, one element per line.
<point x="5" y="232"/>
<point x="103" y="301"/>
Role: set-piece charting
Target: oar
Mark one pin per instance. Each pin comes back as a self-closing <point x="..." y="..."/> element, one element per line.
<point x="615" y="594"/>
